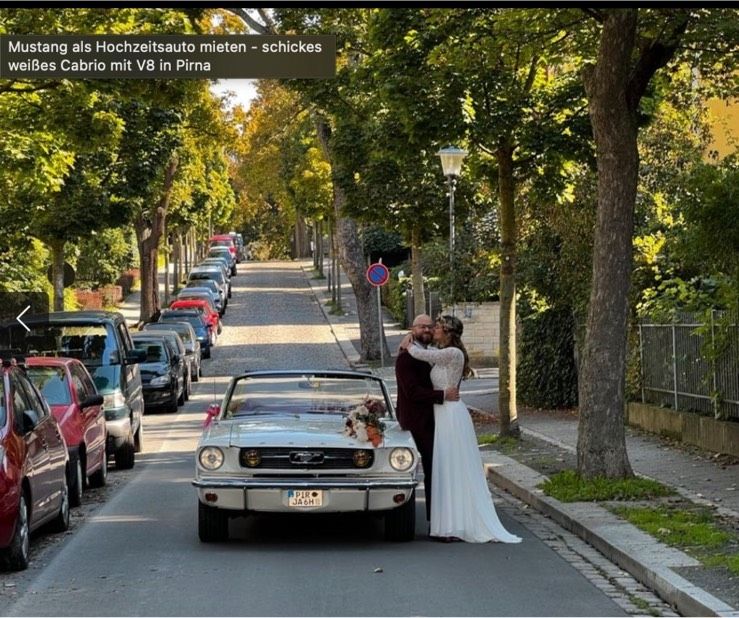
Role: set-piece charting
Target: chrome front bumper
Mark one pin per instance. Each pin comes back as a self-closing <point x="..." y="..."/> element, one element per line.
<point x="271" y="494"/>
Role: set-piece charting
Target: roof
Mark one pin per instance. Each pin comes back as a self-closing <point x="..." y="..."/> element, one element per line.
<point x="75" y="317"/>
<point x="55" y="361"/>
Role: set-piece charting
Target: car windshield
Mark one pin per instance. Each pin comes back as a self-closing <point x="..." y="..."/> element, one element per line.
<point x="304" y="394"/>
<point x="155" y="350"/>
<point x="213" y="275"/>
<point x="93" y="344"/>
<point x="203" y="283"/>
<point x="194" y="320"/>
<point x="52" y="382"/>
<point x="181" y="329"/>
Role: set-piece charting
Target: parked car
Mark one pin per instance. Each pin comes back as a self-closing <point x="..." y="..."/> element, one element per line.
<point x="213" y="273"/>
<point x="78" y="408"/>
<point x="223" y="240"/>
<point x="161" y="372"/>
<point x="189" y="339"/>
<point x="196" y="293"/>
<point x="178" y="347"/>
<point x="101" y="340"/>
<point x="225" y="256"/>
<point x="210" y="312"/>
<point x="221" y="262"/>
<point x="239" y="242"/>
<point x="196" y="319"/>
<point x="298" y="442"/>
<point x="212" y="286"/>
<point x="34" y="466"/>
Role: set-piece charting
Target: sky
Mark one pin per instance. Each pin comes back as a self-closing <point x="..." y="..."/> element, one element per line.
<point x="244" y="90"/>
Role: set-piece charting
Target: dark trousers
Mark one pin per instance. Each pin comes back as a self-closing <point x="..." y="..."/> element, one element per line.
<point x="425" y="443"/>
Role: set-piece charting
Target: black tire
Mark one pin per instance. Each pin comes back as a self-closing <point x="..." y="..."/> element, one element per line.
<point x="61" y="522"/>
<point x="206" y="355"/>
<point x="138" y="438"/>
<point x="198" y="371"/>
<point x="99" y="478"/>
<point x="16" y="555"/>
<point x="212" y="524"/>
<point x="400" y="523"/>
<point x="125" y="455"/>
<point x="181" y="399"/>
<point x="75" y="482"/>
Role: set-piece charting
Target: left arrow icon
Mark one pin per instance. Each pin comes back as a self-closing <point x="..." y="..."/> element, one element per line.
<point x="18" y="317"/>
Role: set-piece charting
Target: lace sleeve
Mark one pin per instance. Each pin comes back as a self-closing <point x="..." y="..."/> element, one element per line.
<point x="452" y="358"/>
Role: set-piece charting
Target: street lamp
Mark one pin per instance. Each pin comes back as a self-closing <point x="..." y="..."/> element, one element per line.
<point x="451" y="165"/>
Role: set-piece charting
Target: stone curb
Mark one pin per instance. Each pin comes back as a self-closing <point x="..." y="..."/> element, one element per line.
<point x="337" y="330"/>
<point x="645" y="558"/>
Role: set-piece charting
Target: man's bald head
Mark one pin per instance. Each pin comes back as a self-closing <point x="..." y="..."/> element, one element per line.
<point x="422" y="329"/>
<point x="423" y="320"/>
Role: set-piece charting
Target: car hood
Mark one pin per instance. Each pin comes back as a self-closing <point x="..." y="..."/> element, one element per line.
<point x="275" y="430"/>
<point x="152" y="370"/>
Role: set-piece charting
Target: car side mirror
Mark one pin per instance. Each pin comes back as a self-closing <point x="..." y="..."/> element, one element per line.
<point x="175" y="359"/>
<point x="92" y="400"/>
<point x="135" y="356"/>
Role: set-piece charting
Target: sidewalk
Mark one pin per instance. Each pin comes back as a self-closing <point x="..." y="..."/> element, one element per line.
<point x="697" y="477"/>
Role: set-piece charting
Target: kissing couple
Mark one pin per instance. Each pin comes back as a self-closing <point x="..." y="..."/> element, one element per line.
<point x="458" y="501"/>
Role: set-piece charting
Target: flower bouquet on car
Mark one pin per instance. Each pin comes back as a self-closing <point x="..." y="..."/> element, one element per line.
<point x="364" y="424"/>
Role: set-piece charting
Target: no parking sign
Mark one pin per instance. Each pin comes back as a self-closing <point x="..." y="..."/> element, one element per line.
<point x="378" y="274"/>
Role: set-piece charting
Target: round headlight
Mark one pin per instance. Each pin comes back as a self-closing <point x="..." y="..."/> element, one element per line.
<point x="401" y="459"/>
<point x="252" y="458"/>
<point x="361" y="458"/>
<point x="211" y="458"/>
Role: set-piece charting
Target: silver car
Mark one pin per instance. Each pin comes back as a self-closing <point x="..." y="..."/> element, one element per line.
<point x="305" y="442"/>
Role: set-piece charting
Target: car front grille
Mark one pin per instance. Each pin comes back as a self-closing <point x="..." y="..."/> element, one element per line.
<point x="312" y="459"/>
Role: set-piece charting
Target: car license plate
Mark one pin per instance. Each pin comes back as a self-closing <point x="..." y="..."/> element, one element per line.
<point x="304" y="498"/>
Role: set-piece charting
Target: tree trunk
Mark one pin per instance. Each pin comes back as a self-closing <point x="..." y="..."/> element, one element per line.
<point x="351" y="256"/>
<point x="166" y="269"/>
<point x="507" y="359"/>
<point x="419" y="293"/>
<point x="57" y="273"/>
<point x="319" y="247"/>
<point x="150" y="227"/>
<point x="601" y="445"/>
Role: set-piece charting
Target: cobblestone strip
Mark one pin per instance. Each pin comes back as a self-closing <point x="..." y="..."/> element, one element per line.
<point x="618" y="585"/>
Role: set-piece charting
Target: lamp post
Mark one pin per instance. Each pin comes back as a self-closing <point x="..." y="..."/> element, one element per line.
<point x="451" y="165"/>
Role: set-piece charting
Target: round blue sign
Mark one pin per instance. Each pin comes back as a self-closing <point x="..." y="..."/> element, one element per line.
<point x="378" y="274"/>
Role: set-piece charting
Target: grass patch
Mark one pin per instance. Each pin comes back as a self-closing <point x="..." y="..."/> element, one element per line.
<point x="568" y="486"/>
<point x="693" y="531"/>
<point x="317" y="275"/>
<point x="643" y="605"/>
<point x="334" y="308"/>
<point x="494" y="438"/>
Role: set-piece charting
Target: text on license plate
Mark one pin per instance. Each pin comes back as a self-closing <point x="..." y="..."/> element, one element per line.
<point x="304" y="497"/>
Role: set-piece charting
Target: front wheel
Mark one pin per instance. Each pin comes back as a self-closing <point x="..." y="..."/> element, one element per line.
<point x="212" y="524"/>
<point x="61" y="522"/>
<point x="124" y="454"/>
<point x="75" y="482"/>
<point x="16" y="555"/>
<point x="99" y="478"/>
<point x="400" y="523"/>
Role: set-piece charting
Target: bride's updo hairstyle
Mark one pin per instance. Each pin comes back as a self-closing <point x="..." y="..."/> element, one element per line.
<point x="453" y="326"/>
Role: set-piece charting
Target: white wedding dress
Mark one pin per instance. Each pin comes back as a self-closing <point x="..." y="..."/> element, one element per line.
<point x="462" y="505"/>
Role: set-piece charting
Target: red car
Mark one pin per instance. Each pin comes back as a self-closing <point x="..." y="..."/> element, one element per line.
<point x="69" y="390"/>
<point x="223" y="240"/>
<point x="34" y="466"/>
<point x="210" y="313"/>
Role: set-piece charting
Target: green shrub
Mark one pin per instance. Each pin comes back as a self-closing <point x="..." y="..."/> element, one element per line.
<point x="547" y="375"/>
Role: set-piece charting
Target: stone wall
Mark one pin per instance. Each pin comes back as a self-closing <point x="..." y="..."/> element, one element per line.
<point x="703" y="431"/>
<point x="481" y="330"/>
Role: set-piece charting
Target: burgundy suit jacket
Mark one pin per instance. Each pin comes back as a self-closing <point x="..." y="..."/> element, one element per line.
<point x="416" y="394"/>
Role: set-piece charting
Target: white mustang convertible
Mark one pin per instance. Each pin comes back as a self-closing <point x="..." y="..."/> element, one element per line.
<point x="305" y="441"/>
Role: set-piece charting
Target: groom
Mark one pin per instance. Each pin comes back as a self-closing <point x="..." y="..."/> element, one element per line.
<point x="416" y="399"/>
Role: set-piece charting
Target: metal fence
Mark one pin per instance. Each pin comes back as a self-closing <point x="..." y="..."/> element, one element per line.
<point x="691" y="366"/>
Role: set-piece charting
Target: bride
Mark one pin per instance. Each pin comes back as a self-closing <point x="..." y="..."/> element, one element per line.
<point x="462" y="508"/>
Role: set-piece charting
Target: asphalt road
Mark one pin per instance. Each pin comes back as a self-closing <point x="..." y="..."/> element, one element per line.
<point x="138" y="554"/>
